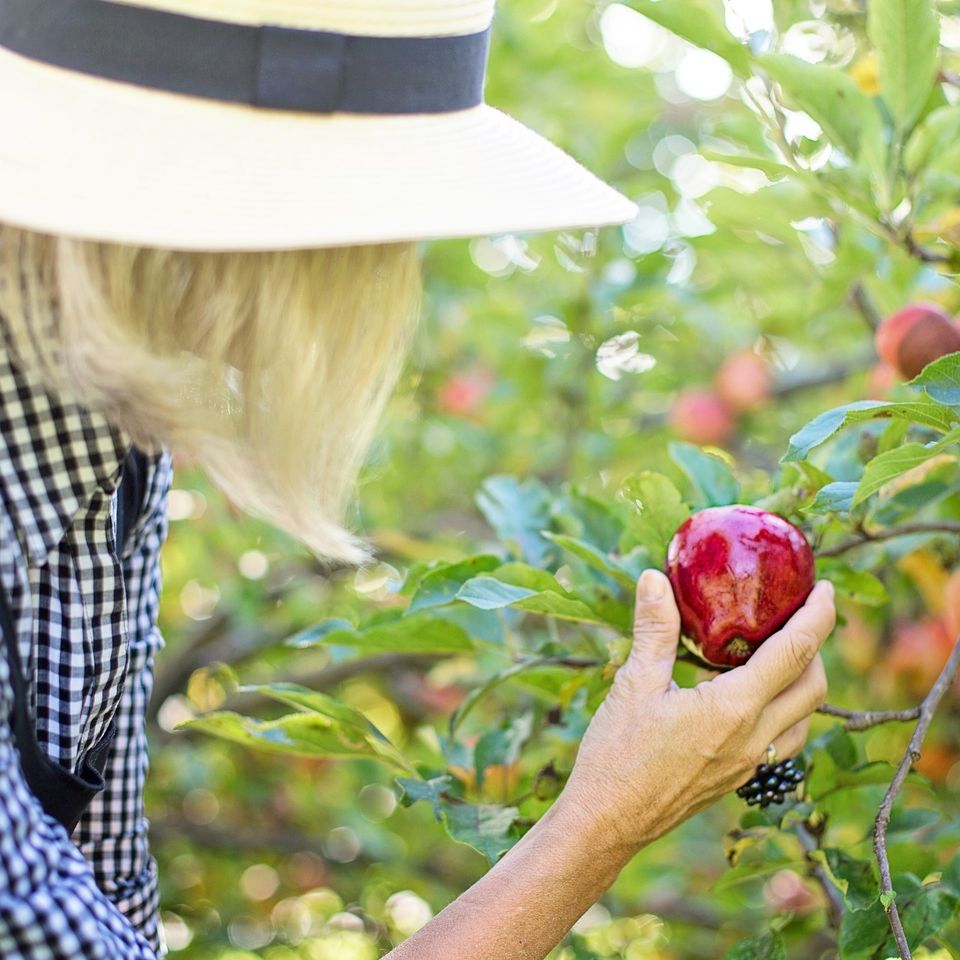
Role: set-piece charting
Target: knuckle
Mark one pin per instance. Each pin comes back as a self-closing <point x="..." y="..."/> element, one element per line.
<point x="801" y="649"/>
<point x="650" y="628"/>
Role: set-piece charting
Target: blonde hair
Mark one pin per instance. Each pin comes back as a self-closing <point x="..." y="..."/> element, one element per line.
<point x="269" y="370"/>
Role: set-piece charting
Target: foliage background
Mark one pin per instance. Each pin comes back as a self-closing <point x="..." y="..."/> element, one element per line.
<point x="282" y="857"/>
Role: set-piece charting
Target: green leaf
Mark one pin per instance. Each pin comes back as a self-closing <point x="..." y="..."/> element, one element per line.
<point x="951" y="876"/>
<point x="836" y="497"/>
<point x="658" y="512"/>
<point x="312" y="701"/>
<point x="478" y="694"/>
<point x="518" y="512"/>
<point x="701" y="22"/>
<point x="713" y="481"/>
<point x="894" y="463"/>
<point x="501" y="746"/>
<point x="526" y="588"/>
<point x="768" y="947"/>
<point x="906" y="37"/>
<point x="935" y="135"/>
<point x="485" y="827"/>
<point x="488" y="593"/>
<point x="593" y="557"/>
<point x="855" y="879"/>
<point x="827" y="94"/>
<point x="772" y="168"/>
<point x="864" y="932"/>
<point x="299" y="734"/>
<point x="841" y="747"/>
<point x="416" y="633"/>
<point x="941" y="379"/>
<point x="927" y="912"/>
<point x="824" y="426"/>
<point x="911" y="819"/>
<point x="861" y="586"/>
<point x="440" y="586"/>
<point x="431" y="790"/>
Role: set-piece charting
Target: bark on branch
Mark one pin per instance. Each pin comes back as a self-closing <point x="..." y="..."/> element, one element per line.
<point x="864" y="720"/>
<point x="890" y="533"/>
<point x="926" y="711"/>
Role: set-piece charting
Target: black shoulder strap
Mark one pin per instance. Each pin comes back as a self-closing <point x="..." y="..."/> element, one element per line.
<point x="130" y="495"/>
<point x="62" y="793"/>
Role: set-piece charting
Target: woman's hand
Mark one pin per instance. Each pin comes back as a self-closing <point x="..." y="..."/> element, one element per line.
<point x="655" y="754"/>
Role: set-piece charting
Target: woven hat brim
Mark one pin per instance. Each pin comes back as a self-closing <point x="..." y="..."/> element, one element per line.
<point x="89" y="158"/>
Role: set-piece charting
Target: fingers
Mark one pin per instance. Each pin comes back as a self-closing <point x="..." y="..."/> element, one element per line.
<point x="656" y="632"/>
<point x="796" y="703"/>
<point x="791" y="741"/>
<point x="785" y="656"/>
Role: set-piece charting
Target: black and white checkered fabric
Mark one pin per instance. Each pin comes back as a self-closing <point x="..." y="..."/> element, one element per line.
<point x="86" y="620"/>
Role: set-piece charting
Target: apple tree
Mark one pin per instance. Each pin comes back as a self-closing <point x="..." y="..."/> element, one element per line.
<point x="562" y="419"/>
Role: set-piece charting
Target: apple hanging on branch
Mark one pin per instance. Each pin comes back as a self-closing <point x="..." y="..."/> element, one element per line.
<point x="738" y="573"/>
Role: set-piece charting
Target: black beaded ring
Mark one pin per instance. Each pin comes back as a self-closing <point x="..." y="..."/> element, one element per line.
<point x="772" y="781"/>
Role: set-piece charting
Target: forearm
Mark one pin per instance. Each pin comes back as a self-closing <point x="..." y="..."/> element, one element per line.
<point x="523" y="907"/>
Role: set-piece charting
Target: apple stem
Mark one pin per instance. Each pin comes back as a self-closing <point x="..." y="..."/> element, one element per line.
<point x="926" y="709"/>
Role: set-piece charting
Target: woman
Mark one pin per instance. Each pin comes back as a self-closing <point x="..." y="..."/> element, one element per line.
<point x="208" y="211"/>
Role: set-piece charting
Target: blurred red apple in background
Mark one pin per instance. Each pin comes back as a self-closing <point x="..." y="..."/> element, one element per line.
<point x="881" y="379"/>
<point x="743" y="381"/>
<point x="462" y="393"/>
<point x="701" y="417"/>
<point x="919" y="652"/>
<point x="951" y="598"/>
<point x="916" y="335"/>
<point x="738" y="574"/>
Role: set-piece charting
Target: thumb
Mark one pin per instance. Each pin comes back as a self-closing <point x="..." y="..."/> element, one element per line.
<point x="656" y="632"/>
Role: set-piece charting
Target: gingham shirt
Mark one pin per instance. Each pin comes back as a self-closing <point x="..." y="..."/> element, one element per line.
<point x="86" y="621"/>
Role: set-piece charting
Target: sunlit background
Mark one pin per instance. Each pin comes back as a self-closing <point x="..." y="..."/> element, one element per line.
<point x="563" y="358"/>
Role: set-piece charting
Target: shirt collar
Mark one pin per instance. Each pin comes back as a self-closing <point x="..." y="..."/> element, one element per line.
<point x="54" y="456"/>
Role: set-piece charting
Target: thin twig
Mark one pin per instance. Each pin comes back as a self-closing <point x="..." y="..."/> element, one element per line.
<point x="921" y="253"/>
<point x="927" y="709"/>
<point x="835" y="905"/>
<point x="865" y="305"/>
<point x="869" y="718"/>
<point x="906" y="530"/>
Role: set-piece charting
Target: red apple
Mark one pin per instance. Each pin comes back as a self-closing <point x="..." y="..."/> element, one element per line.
<point x="881" y="379"/>
<point x="738" y="574"/>
<point x="462" y="393"/>
<point x="919" y="652"/>
<point x="916" y="335"/>
<point x="951" y="602"/>
<point x="743" y="381"/>
<point x="701" y="417"/>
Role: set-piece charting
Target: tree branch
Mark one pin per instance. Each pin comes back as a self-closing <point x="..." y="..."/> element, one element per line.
<point x="835" y="905"/>
<point x="927" y="709"/>
<point x="865" y="306"/>
<point x="922" y="253"/>
<point x="870" y="718"/>
<point x="906" y="530"/>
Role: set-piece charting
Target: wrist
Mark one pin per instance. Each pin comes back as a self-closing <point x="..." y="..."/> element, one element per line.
<point x="606" y="847"/>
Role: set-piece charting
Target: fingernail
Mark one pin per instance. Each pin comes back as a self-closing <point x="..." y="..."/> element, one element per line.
<point x="830" y="588"/>
<point x="651" y="586"/>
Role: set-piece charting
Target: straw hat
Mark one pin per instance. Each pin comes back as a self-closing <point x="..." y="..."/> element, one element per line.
<point x="270" y="124"/>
